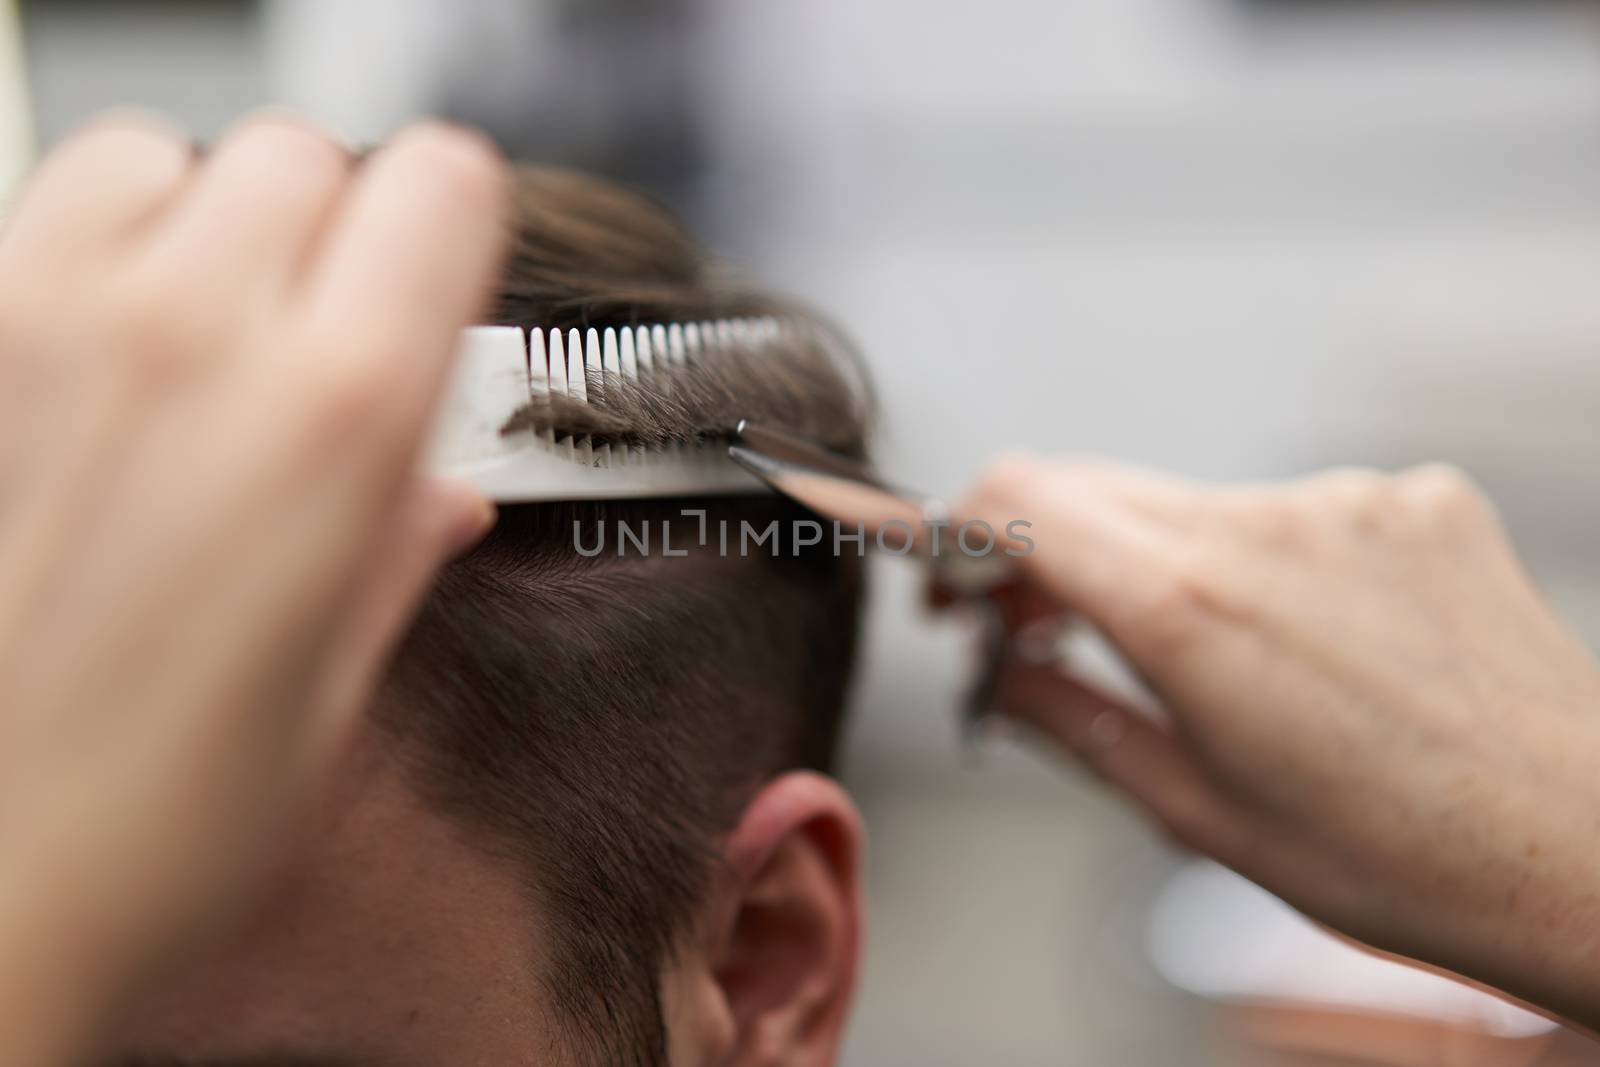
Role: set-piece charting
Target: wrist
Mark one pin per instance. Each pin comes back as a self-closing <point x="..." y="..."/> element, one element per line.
<point x="1534" y="930"/>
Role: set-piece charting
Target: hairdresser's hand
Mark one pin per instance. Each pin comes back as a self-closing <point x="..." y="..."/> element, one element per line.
<point x="214" y="373"/>
<point x="1373" y="713"/>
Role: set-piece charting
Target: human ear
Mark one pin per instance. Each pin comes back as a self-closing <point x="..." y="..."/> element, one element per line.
<point x="776" y="958"/>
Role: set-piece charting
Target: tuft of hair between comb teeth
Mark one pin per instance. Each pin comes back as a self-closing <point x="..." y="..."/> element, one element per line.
<point x="791" y="376"/>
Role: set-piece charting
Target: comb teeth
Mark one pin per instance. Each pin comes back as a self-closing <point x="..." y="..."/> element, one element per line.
<point x="484" y="433"/>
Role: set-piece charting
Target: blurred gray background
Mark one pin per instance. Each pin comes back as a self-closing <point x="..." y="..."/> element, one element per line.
<point x="1235" y="239"/>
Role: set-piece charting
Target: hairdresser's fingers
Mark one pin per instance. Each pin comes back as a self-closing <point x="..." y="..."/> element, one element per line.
<point x="103" y="182"/>
<point x="255" y="206"/>
<point x="1130" y="575"/>
<point x="410" y="260"/>
<point x="1123" y="747"/>
<point x="437" y="520"/>
<point x="1161" y="498"/>
<point x="1243" y="514"/>
<point x="1024" y="606"/>
<point x="1157" y="495"/>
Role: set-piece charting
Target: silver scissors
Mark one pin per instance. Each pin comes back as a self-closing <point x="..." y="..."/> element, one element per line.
<point x="843" y="489"/>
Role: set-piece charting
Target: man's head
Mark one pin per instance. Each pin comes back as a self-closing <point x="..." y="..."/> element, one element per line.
<point x="583" y="823"/>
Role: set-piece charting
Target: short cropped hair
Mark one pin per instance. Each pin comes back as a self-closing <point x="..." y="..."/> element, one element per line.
<point x="603" y="721"/>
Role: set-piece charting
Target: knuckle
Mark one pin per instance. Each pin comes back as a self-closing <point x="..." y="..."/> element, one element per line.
<point x="152" y="323"/>
<point x="1088" y="471"/>
<point x="1358" y="485"/>
<point x="1178" y="594"/>
<point x="1356" y="497"/>
<point x="148" y="156"/>
<point x="123" y="131"/>
<point x="1170" y="616"/>
<point x="1009" y="477"/>
<point x="294" y="146"/>
<point x="1275" y="521"/>
<point x="1440" y="492"/>
<point x="465" y="161"/>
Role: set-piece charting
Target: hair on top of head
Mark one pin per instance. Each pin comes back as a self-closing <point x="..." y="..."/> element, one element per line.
<point x="589" y="254"/>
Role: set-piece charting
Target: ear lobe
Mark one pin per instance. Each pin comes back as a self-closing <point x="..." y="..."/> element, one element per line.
<point x="786" y="956"/>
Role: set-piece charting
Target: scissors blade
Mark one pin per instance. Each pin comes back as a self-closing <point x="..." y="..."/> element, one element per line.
<point x="832" y="485"/>
<point x="832" y="496"/>
<point x="797" y="451"/>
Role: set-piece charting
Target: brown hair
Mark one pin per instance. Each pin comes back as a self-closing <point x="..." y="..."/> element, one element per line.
<point x="603" y="721"/>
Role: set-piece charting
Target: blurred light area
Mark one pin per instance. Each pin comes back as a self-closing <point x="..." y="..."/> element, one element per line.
<point x="365" y="66"/>
<point x="600" y="84"/>
<point x="197" y="60"/>
<point x="1235" y="238"/>
<point x="1218" y="936"/>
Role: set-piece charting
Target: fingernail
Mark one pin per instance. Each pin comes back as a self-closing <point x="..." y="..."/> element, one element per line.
<point x="1106" y="730"/>
<point x="1037" y="645"/>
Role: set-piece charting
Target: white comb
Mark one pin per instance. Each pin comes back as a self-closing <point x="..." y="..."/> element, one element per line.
<point x="500" y="370"/>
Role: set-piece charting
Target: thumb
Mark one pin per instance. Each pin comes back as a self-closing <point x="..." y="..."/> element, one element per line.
<point x="436" y="520"/>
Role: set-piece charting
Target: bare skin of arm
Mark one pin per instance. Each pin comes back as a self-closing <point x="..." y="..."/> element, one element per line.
<point x="214" y="376"/>
<point x="1370" y="709"/>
